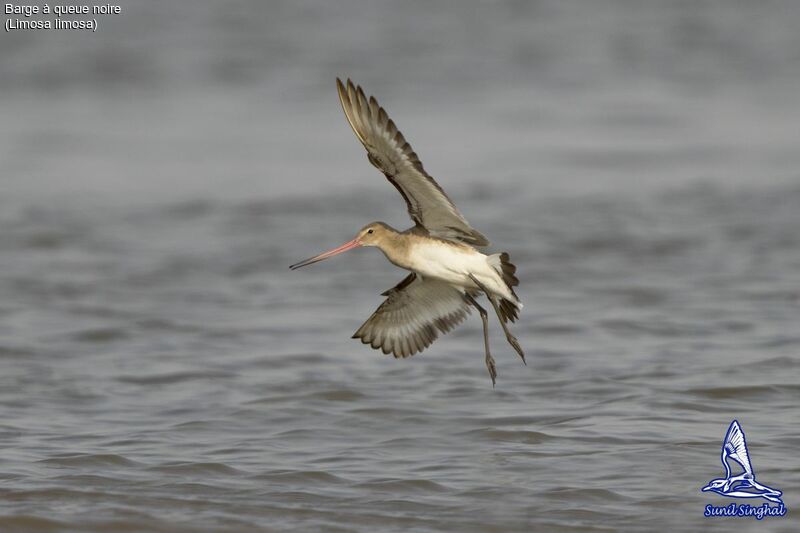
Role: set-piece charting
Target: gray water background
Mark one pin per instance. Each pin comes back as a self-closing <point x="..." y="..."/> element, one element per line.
<point x="162" y="370"/>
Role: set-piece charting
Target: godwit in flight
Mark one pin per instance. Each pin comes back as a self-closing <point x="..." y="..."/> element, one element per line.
<point x="447" y="271"/>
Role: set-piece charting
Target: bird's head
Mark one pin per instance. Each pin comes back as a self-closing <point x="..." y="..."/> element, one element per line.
<point x="373" y="234"/>
<point x="715" y="485"/>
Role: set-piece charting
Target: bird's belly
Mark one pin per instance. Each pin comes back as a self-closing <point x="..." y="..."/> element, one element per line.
<point x="452" y="264"/>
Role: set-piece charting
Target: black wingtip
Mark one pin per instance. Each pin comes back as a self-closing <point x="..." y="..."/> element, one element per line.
<point x="341" y="87"/>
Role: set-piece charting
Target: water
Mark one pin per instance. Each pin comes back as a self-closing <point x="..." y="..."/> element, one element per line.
<point x="161" y="369"/>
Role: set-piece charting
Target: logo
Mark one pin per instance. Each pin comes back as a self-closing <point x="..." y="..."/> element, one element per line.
<point x="742" y="485"/>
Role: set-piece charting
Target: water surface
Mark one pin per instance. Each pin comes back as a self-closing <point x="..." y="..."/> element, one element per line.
<point x="161" y="369"/>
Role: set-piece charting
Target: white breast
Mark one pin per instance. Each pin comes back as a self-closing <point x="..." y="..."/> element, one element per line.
<point x="454" y="264"/>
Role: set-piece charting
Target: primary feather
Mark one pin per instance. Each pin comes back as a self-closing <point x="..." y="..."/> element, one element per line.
<point x="387" y="149"/>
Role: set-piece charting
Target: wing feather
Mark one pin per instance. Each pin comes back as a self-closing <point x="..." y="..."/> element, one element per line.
<point x="413" y="314"/>
<point x="387" y="149"/>
<point x="736" y="446"/>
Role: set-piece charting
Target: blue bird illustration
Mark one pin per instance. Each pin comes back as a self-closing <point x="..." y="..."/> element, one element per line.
<point x="743" y="485"/>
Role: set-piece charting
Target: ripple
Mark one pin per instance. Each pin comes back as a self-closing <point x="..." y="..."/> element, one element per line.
<point x="745" y="392"/>
<point x="403" y="486"/>
<point x="175" y="377"/>
<point x="657" y="329"/>
<point x="557" y="329"/>
<point x="100" y="335"/>
<point x="519" y="436"/>
<point x="571" y="494"/>
<point x="195" y="469"/>
<point x="301" y="477"/>
<point x="89" y="480"/>
<point x="341" y="395"/>
<point x="14" y="351"/>
<point x="29" y="523"/>
<point x="638" y="296"/>
<point x="289" y="360"/>
<point x="89" y="460"/>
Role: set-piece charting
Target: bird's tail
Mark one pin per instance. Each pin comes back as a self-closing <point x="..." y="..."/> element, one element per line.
<point x="509" y="309"/>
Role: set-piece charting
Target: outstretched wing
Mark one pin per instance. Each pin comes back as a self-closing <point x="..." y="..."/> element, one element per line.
<point x="387" y="149"/>
<point x="413" y="314"/>
<point x="735" y="447"/>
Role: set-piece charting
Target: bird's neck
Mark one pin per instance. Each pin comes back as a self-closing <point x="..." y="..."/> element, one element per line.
<point x="396" y="249"/>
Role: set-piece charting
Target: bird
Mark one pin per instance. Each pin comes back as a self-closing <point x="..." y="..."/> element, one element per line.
<point x="441" y="250"/>
<point x="744" y="485"/>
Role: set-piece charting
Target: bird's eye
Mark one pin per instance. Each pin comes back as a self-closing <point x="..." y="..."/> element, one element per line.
<point x="369" y="231"/>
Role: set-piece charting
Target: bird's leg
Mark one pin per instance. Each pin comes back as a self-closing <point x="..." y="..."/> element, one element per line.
<point x="485" y="318"/>
<point x="512" y="340"/>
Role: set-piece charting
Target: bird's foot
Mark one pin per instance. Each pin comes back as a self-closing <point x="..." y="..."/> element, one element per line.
<point x="512" y="340"/>
<point x="492" y="369"/>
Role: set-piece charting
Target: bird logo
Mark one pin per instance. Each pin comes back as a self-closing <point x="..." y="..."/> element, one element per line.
<point x="743" y="485"/>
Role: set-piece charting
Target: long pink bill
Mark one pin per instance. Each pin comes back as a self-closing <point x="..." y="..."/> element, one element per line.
<point x="336" y="251"/>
